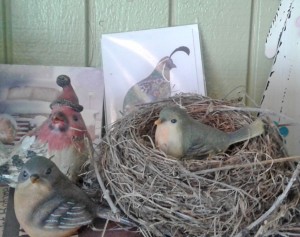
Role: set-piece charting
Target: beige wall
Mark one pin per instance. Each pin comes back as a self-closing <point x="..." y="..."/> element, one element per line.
<point x="67" y="32"/>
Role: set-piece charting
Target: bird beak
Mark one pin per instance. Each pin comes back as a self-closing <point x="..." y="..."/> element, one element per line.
<point x="34" y="178"/>
<point x="157" y="122"/>
<point x="57" y="119"/>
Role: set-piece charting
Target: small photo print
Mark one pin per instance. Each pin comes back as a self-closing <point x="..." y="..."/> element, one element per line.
<point x="151" y="65"/>
<point x="26" y="93"/>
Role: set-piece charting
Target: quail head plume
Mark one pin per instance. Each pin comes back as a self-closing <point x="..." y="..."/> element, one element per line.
<point x="61" y="136"/>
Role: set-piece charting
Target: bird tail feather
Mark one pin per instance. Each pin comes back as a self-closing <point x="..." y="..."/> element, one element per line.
<point x="106" y="213"/>
<point x="245" y="133"/>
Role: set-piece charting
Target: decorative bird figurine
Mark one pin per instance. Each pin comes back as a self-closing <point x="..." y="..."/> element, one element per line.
<point x="179" y="135"/>
<point x="154" y="87"/>
<point x="48" y="204"/>
<point x="61" y="136"/>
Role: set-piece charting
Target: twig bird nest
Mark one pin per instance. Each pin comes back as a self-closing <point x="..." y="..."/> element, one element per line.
<point x="241" y="192"/>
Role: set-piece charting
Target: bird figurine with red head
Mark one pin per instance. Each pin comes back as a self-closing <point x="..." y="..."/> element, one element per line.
<point x="61" y="136"/>
<point x="154" y="87"/>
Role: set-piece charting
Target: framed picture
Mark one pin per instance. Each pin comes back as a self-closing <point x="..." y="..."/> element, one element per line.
<point x="26" y="93"/>
<point x="150" y="65"/>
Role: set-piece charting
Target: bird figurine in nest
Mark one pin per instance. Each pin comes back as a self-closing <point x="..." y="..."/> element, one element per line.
<point x="154" y="87"/>
<point x="48" y="204"/>
<point x="179" y="135"/>
<point x="62" y="136"/>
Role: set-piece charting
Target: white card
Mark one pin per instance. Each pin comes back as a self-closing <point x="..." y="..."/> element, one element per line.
<point x="130" y="60"/>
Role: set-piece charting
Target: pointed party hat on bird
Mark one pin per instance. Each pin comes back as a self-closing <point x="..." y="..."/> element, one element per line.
<point x="68" y="96"/>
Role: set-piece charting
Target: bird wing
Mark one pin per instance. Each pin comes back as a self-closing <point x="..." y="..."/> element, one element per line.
<point x="68" y="215"/>
<point x="156" y="80"/>
<point x="153" y="85"/>
<point x="147" y="90"/>
<point x="200" y="151"/>
<point x="203" y="140"/>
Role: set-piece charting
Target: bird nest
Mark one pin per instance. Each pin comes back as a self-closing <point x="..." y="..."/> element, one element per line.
<point x="250" y="189"/>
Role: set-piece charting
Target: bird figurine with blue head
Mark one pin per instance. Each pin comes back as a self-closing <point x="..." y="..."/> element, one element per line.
<point x="179" y="135"/>
<point x="48" y="204"/>
<point x="154" y="87"/>
<point x="61" y="135"/>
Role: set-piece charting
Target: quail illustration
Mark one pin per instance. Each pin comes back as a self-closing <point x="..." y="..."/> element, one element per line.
<point x="61" y="136"/>
<point x="154" y="87"/>
<point x="179" y="135"/>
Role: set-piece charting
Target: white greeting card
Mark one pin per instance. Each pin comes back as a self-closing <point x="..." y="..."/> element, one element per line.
<point x="150" y="65"/>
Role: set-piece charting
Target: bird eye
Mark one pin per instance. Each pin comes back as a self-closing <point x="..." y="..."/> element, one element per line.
<point x="25" y="174"/>
<point x="48" y="171"/>
<point x="75" y="118"/>
<point x="173" y="121"/>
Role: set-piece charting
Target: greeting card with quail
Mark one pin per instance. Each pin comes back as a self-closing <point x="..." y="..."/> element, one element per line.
<point x="149" y="66"/>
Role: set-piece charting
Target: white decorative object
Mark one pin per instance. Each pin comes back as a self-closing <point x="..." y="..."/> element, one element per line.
<point x="282" y="94"/>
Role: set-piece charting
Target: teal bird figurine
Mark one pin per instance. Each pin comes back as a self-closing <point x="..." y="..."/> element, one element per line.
<point x="179" y="135"/>
<point x="48" y="204"/>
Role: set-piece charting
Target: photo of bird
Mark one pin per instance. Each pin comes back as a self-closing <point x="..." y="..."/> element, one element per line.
<point x="60" y="136"/>
<point x="8" y="129"/>
<point x="48" y="204"/>
<point x="179" y="135"/>
<point x="154" y="87"/>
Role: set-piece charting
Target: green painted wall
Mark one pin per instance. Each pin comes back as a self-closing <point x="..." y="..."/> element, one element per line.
<point x="2" y="35"/>
<point x="67" y="33"/>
